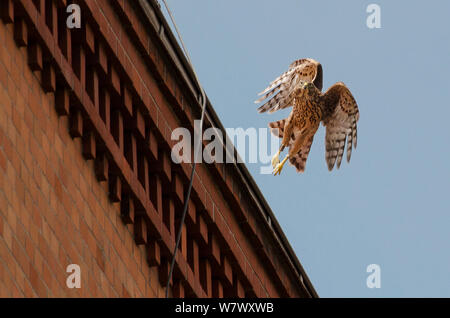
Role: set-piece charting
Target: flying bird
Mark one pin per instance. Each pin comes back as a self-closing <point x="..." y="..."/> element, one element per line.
<point x="300" y="86"/>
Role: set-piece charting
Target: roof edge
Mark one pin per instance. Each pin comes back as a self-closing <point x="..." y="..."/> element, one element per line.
<point x="184" y="66"/>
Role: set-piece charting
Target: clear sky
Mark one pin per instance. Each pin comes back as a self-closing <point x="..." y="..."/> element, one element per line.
<point x="391" y="205"/>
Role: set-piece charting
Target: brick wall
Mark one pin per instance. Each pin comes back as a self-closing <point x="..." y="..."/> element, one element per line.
<point x="53" y="211"/>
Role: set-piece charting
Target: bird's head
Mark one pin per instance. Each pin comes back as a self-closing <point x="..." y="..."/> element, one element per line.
<point x="308" y="88"/>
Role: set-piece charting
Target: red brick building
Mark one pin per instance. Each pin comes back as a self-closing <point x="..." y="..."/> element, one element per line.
<point x="86" y="175"/>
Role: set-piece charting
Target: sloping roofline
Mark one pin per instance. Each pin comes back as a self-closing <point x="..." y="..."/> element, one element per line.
<point x="152" y="11"/>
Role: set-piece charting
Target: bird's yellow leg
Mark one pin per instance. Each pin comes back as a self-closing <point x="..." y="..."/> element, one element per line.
<point x="276" y="159"/>
<point x="279" y="167"/>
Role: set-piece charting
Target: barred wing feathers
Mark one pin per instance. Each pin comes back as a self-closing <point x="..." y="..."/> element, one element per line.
<point x="340" y="117"/>
<point x="281" y="91"/>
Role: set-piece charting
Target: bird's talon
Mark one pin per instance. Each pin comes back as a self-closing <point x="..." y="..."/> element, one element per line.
<point x="276" y="159"/>
<point x="277" y="169"/>
<point x="279" y="166"/>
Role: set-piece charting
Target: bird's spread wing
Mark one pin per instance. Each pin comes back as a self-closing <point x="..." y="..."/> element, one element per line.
<point x="281" y="91"/>
<point x="299" y="159"/>
<point x="339" y="117"/>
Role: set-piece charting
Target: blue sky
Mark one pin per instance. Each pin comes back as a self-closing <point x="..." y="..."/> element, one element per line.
<point x="390" y="206"/>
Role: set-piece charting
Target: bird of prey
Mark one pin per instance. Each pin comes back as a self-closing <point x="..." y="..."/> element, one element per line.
<point x="301" y="87"/>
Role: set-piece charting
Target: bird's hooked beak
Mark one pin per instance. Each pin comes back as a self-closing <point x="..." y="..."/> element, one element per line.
<point x="305" y="85"/>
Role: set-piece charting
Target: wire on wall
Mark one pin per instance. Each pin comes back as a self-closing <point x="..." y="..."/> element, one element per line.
<point x="197" y="148"/>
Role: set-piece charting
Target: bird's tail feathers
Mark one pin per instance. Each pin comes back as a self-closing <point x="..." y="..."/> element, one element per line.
<point x="277" y="127"/>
